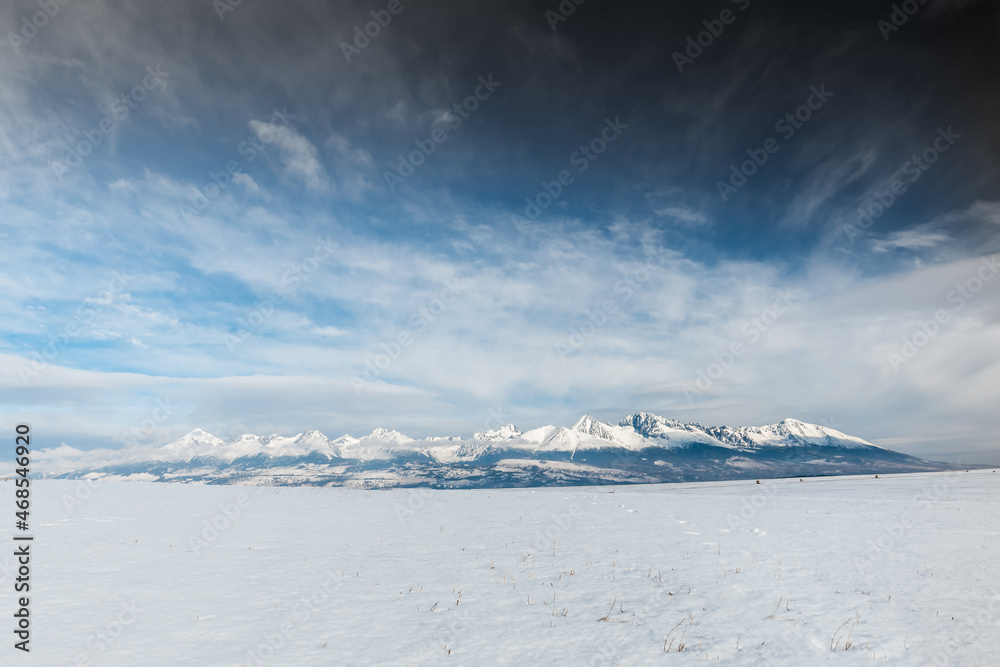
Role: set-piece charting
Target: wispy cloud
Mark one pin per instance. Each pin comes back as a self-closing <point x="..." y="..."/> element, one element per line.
<point x="911" y="239"/>
<point x="582" y="273"/>
<point x="298" y="156"/>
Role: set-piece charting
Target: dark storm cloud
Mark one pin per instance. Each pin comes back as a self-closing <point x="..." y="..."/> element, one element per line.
<point x="891" y="91"/>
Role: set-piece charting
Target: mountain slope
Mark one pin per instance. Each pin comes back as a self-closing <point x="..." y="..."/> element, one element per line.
<point x="642" y="448"/>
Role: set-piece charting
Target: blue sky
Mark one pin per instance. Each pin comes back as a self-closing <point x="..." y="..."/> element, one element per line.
<point x="230" y="245"/>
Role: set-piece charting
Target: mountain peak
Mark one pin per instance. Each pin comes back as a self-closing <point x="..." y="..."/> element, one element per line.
<point x="505" y="432"/>
<point x="614" y="435"/>
<point x="388" y="435"/>
<point x="199" y="434"/>
<point x="585" y="424"/>
<point x="786" y="433"/>
<point x="649" y="425"/>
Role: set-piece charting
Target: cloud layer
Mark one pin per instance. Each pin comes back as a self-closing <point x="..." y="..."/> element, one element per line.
<point x="228" y="241"/>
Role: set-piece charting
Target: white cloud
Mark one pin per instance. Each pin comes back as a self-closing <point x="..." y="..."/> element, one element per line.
<point x="246" y="180"/>
<point x="298" y="156"/>
<point x="328" y="332"/>
<point x="911" y="239"/>
<point x="352" y="166"/>
<point x="826" y="181"/>
<point x="685" y="216"/>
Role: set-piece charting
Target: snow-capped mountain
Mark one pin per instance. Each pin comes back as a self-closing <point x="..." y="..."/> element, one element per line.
<point x="195" y="443"/>
<point x="787" y="433"/>
<point x="388" y="437"/>
<point x="585" y="434"/>
<point x="643" y="447"/>
<point x="506" y="432"/>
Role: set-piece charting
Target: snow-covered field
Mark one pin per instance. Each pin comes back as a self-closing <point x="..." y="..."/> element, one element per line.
<point x="902" y="569"/>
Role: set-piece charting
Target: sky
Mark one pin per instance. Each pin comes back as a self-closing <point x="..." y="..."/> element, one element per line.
<point x="440" y="217"/>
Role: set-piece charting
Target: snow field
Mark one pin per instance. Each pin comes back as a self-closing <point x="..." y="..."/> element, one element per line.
<point x="852" y="570"/>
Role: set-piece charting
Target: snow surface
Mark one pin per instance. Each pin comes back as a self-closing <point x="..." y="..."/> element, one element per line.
<point x="905" y="568"/>
<point x="505" y="432"/>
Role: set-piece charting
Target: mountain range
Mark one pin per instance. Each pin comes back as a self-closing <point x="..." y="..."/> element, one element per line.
<point x="642" y="448"/>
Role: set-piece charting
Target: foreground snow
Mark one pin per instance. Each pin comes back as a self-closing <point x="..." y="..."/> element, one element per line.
<point x="904" y="569"/>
